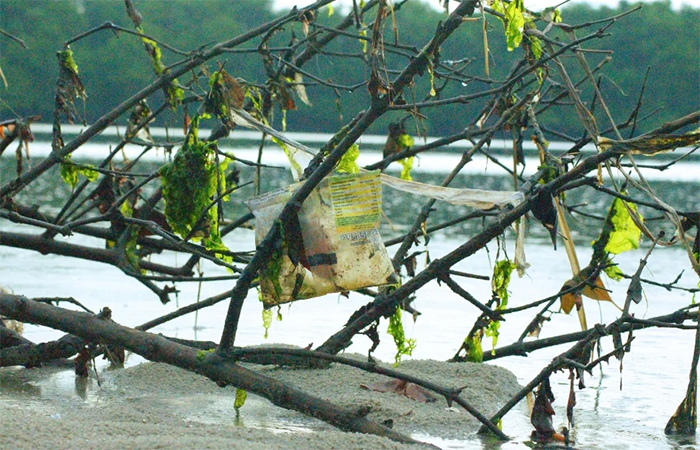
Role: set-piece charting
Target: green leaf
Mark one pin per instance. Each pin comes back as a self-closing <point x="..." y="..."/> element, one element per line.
<point x="70" y="172"/>
<point x="551" y="172"/>
<point x="175" y="94"/>
<point x="202" y="354"/>
<point x="65" y="58"/>
<point x="153" y="51"/>
<point x="625" y="234"/>
<point x="500" y="280"/>
<point x="403" y="346"/>
<point x="556" y="17"/>
<point x="241" y="396"/>
<point x="407" y="164"/>
<point x="130" y="248"/>
<point x="515" y="24"/>
<point x="174" y="91"/>
<point x="498" y="7"/>
<point x="348" y="163"/>
<point x="363" y="42"/>
<point x="535" y="43"/>
<point x="330" y="10"/>
<point x="612" y="271"/>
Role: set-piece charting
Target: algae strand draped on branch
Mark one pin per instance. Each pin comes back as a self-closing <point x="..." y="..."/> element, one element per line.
<point x="502" y="272"/>
<point x="190" y="186"/>
<point x="395" y="329"/>
<point x="68" y="86"/>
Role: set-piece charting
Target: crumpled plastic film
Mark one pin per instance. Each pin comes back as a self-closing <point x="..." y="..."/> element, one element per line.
<point x="476" y="198"/>
<point x="338" y="245"/>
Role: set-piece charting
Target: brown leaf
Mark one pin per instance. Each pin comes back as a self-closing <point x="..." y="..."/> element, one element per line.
<point x="401" y="387"/>
<point x="285" y="99"/>
<point x="598" y="291"/>
<point x="570" y="299"/>
<point x="535" y="327"/>
<point x="186" y="123"/>
<point x="225" y="96"/>
<point x="392" y="140"/>
<point x="68" y="86"/>
<point x="542" y="412"/>
<point x="571" y="402"/>
<point x="82" y="362"/>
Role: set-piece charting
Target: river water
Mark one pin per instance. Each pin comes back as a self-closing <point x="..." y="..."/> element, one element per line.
<point x="625" y="409"/>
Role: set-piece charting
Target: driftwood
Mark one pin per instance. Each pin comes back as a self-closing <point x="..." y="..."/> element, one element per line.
<point x="209" y="364"/>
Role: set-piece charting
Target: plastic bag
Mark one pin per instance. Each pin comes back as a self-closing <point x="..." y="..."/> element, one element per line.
<point x="335" y="245"/>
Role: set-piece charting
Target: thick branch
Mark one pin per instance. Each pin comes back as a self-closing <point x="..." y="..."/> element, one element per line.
<point x="158" y="348"/>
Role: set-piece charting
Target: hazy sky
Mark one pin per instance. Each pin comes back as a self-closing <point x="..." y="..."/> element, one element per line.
<point x="530" y="4"/>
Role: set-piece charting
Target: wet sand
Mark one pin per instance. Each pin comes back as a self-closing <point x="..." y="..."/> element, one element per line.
<point x="151" y="406"/>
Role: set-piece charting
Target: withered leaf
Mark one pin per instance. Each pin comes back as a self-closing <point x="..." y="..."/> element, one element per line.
<point x="617" y="343"/>
<point x="544" y="211"/>
<point x="597" y="291"/>
<point x="541" y="417"/>
<point x="536" y="326"/>
<point x="225" y="96"/>
<point x="284" y="98"/>
<point x="82" y="362"/>
<point x="133" y="13"/>
<point x="634" y="291"/>
<point x="295" y="241"/>
<point x="392" y="144"/>
<point x="569" y="299"/>
<point x="300" y="89"/>
<point x="372" y="333"/>
<point x="542" y="412"/>
<point x="138" y="120"/>
<point x="401" y="387"/>
<point x="68" y="86"/>
<point x="572" y="401"/>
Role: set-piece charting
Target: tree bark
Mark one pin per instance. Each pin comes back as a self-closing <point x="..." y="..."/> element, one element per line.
<point x="157" y="348"/>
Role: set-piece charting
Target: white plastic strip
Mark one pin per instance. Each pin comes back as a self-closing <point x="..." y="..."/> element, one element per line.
<point x="476" y="198"/>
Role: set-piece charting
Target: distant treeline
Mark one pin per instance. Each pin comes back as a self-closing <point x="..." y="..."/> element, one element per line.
<point x="113" y="66"/>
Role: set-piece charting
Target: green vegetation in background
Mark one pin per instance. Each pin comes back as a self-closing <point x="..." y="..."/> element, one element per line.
<point x="113" y="68"/>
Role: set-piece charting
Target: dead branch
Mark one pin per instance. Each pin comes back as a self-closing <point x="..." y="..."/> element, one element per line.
<point x="209" y="364"/>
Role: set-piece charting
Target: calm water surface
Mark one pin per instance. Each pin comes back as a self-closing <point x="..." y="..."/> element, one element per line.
<point x="654" y="376"/>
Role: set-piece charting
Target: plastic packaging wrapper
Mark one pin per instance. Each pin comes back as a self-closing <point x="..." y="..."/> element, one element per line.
<point x="334" y="246"/>
<point x="477" y="198"/>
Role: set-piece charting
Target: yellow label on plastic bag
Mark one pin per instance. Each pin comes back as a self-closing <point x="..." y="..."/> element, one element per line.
<point x="357" y="204"/>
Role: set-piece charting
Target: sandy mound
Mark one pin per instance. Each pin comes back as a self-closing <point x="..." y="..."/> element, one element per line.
<point x="152" y="406"/>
